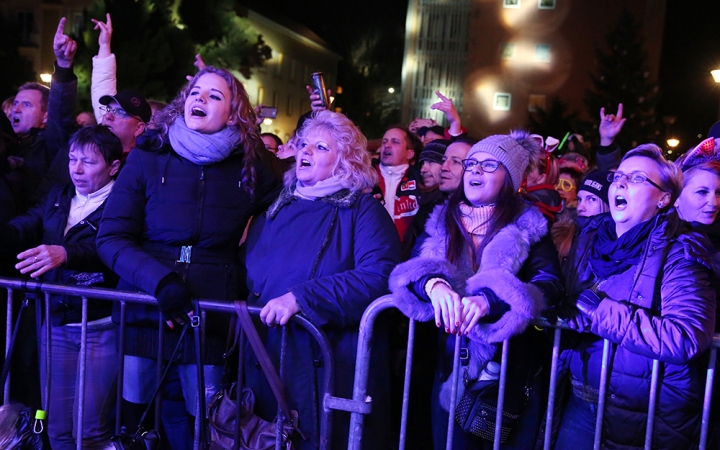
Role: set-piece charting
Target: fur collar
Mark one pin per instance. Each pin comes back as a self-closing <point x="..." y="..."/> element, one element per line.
<point x="344" y="198"/>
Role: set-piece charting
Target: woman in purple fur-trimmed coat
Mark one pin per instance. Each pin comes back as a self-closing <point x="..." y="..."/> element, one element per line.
<point x="486" y="268"/>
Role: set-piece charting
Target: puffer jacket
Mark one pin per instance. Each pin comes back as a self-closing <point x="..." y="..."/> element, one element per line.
<point x="45" y="224"/>
<point x="669" y="316"/>
<point x="335" y="255"/>
<point x="162" y="202"/>
<point x="519" y="270"/>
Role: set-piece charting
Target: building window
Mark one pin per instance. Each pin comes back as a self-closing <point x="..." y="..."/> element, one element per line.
<point x="26" y="26"/>
<point x="502" y="101"/>
<point x="542" y="53"/>
<point x="546" y="4"/>
<point x="260" y="95"/>
<point x="278" y="57"/>
<point x="289" y="105"/>
<point x="511" y="3"/>
<point x="293" y="69"/>
<point x="508" y="52"/>
<point x="537" y="102"/>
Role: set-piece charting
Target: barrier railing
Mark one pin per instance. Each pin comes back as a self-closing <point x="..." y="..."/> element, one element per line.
<point x="35" y="290"/>
<point x="361" y="382"/>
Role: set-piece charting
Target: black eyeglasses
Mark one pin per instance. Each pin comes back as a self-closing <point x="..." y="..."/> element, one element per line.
<point x="487" y="166"/>
<point x="117" y="112"/>
<point x="633" y="177"/>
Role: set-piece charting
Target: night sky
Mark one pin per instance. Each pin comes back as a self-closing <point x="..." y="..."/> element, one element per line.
<point x="691" y="49"/>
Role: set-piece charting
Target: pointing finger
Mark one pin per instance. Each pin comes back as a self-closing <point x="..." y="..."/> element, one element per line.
<point x="61" y="28"/>
<point x="620" y="111"/>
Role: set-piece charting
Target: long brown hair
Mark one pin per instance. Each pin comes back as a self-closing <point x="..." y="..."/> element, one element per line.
<point x="240" y="110"/>
<point x="507" y="207"/>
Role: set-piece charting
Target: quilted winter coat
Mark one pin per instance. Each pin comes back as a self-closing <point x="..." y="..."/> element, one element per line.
<point x="669" y="315"/>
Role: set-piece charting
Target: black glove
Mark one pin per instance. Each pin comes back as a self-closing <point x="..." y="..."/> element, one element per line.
<point x="174" y="298"/>
<point x="587" y="303"/>
<point x="574" y="318"/>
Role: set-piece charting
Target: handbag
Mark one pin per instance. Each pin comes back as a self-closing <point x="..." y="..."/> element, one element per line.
<point x="150" y="439"/>
<point x="476" y="412"/>
<point x="255" y="433"/>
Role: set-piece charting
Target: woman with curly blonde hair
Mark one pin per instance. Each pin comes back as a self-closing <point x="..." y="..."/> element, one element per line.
<point x="337" y="246"/>
<point x="172" y="227"/>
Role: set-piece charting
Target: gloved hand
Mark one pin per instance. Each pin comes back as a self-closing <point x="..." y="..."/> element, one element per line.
<point x="587" y="303"/>
<point x="174" y="298"/>
<point x="574" y="318"/>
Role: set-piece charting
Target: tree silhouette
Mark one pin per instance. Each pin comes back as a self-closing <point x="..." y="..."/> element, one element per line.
<point x="622" y="76"/>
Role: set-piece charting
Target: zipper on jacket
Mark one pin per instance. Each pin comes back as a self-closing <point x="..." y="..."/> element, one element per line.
<point x="201" y="196"/>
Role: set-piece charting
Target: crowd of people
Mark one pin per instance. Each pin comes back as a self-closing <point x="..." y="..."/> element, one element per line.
<point x="479" y="238"/>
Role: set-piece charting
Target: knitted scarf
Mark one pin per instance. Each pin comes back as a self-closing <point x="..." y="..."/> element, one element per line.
<point x="201" y="148"/>
<point x="611" y="255"/>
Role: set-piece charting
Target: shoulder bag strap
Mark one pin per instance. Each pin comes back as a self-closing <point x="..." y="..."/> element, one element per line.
<point x="263" y="358"/>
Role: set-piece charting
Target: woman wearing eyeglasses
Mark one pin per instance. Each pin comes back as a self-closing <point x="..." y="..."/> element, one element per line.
<point x="639" y="278"/>
<point x="486" y="268"/>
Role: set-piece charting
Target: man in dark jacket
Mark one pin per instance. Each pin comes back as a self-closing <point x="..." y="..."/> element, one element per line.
<point x="56" y="241"/>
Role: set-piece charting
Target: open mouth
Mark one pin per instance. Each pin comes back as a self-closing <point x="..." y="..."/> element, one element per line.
<point x="15" y="120"/>
<point x="620" y="202"/>
<point x="304" y="163"/>
<point x="197" y="112"/>
<point x="475" y="183"/>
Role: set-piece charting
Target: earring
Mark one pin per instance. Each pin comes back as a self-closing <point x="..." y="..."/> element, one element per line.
<point x="660" y="206"/>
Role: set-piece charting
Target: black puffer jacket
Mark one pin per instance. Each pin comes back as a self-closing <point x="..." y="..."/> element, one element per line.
<point x="45" y="224"/>
<point x="162" y="202"/>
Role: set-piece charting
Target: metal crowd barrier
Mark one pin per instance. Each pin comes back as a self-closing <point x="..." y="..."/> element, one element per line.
<point x="362" y="367"/>
<point x="35" y="290"/>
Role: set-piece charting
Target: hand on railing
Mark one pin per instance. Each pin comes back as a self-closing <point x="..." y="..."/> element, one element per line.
<point x="280" y="310"/>
<point x="40" y="259"/>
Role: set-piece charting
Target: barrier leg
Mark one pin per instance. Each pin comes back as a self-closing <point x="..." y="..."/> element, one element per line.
<point x="453" y="395"/>
<point x="81" y="375"/>
<point x="406" y="384"/>
<point x="121" y="370"/>
<point x="707" y="401"/>
<point x="603" y="390"/>
<point x="8" y="338"/>
<point x="501" y="394"/>
<point x="652" y="404"/>
<point x="552" y="390"/>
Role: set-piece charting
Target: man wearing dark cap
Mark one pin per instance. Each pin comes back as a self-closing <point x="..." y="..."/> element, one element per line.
<point x="125" y="114"/>
<point x="431" y="159"/>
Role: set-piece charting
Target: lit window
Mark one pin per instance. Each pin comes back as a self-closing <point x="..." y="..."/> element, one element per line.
<point x="542" y="53"/>
<point x="546" y="4"/>
<point x="508" y="52"/>
<point x="502" y="101"/>
<point x="537" y="102"/>
<point x="260" y="95"/>
<point x="511" y="3"/>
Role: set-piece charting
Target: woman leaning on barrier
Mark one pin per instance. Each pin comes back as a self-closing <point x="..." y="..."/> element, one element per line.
<point x="172" y="227"/>
<point x="324" y="250"/>
<point x="640" y="278"/>
<point x="487" y="267"/>
<point x="56" y="239"/>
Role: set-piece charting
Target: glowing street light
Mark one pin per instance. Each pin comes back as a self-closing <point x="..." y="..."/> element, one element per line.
<point x="392" y="90"/>
<point x="45" y="77"/>
<point x="267" y="121"/>
<point x="716" y="75"/>
<point x="672" y="143"/>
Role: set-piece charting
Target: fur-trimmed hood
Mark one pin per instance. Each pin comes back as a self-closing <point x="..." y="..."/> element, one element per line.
<point x="501" y="261"/>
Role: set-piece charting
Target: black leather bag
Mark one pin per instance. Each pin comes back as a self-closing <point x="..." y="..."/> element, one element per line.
<point x="476" y="411"/>
<point x="148" y="440"/>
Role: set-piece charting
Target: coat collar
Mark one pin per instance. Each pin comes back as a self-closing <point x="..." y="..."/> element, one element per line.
<point x="344" y="198"/>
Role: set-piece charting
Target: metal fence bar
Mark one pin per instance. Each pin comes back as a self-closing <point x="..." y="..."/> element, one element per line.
<point x="406" y="383"/>
<point x="362" y="368"/>
<point x="501" y="394"/>
<point x="8" y="338"/>
<point x="453" y="395"/>
<point x="552" y="390"/>
<point x="707" y="400"/>
<point x="604" y="365"/>
<point x="80" y="395"/>
<point x="121" y="370"/>
<point x="48" y="355"/>
<point x="652" y="404"/>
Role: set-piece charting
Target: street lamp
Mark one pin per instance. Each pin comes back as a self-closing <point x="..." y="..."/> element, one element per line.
<point x="672" y="143"/>
<point x="716" y="76"/>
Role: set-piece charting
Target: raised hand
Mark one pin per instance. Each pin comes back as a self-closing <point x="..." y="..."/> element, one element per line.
<point x="105" y="36"/>
<point x="447" y="106"/>
<point x="610" y="125"/>
<point x="64" y="47"/>
<point x="315" y="101"/>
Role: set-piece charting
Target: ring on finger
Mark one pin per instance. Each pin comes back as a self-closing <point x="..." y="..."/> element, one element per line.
<point x="35" y="260"/>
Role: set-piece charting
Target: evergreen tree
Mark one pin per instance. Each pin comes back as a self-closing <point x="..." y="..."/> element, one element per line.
<point x="622" y="76"/>
<point x="16" y="70"/>
<point x="554" y="121"/>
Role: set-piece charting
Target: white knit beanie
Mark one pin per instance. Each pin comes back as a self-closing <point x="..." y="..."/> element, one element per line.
<point x="508" y="151"/>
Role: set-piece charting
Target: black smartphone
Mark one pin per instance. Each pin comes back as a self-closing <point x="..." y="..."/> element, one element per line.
<point x="268" y="112"/>
<point x="319" y="86"/>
